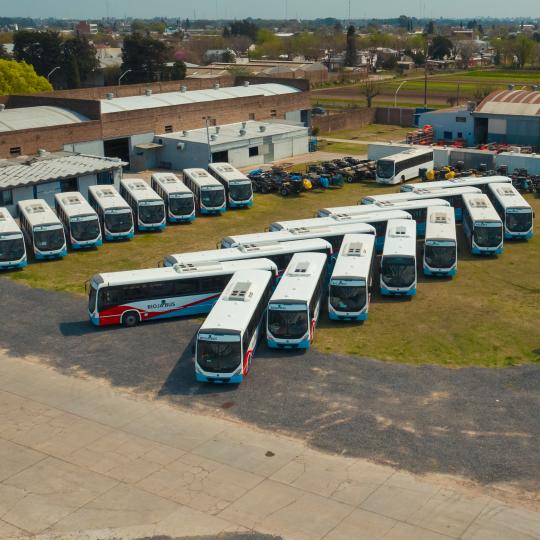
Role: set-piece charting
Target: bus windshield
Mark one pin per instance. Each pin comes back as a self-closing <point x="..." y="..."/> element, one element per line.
<point x="119" y="221"/>
<point x="240" y="191"/>
<point x="288" y="324"/>
<point x="211" y="197"/>
<point x="151" y="212"/>
<point x="398" y="271"/>
<point x="348" y="297"/>
<point x="440" y="254"/>
<point x="92" y="299"/>
<point x="181" y="205"/>
<point x="219" y="356"/>
<point x="11" y="247"/>
<point x="84" y="230"/>
<point x="518" y="221"/>
<point x="488" y="234"/>
<point x="385" y="168"/>
<point x="49" y="239"/>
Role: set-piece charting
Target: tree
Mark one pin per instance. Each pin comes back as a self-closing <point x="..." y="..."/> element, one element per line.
<point x="440" y="48"/>
<point x="226" y="32"/>
<point x="524" y="49"/>
<point x="21" y="78"/>
<point x="245" y="28"/>
<point x="466" y="49"/>
<point x="41" y="49"/>
<point x="482" y="92"/>
<point x="79" y="60"/>
<point x="145" y="57"/>
<point x="178" y="71"/>
<point x="350" y="51"/>
<point x="430" y="28"/>
<point x="370" y="89"/>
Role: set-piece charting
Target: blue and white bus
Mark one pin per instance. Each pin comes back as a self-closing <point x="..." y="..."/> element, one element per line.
<point x="377" y="220"/>
<point x="227" y="340"/>
<point x="42" y="229"/>
<point x="398" y="262"/>
<point x="115" y="215"/>
<point x="12" y="248"/>
<point x="350" y="285"/>
<point x="238" y="187"/>
<point x="482" y="225"/>
<point x="480" y="182"/>
<point x="403" y="166"/>
<point x="135" y="296"/>
<point x="295" y="305"/>
<point x="278" y="252"/>
<point x="514" y="210"/>
<point x="148" y="207"/>
<point x="209" y="193"/>
<point x="440" y="246"/>
<point x="81" y="222"/>
<point x="454" y="196"/>
<point x="334" y="235"/>
<point x="178" y="199"/>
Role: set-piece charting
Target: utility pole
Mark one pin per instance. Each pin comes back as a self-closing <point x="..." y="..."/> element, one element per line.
<point x="349" y="12"/>
<point x="426" y="52"/>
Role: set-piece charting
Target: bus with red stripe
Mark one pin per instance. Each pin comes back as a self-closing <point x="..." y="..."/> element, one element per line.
<point x="135" y="296"/>
<point x="295" y="305"/>
<point x="227" y="339"/>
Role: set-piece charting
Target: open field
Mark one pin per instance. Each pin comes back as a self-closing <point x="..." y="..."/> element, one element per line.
<point x="441" y="87"/>
<point x="487" y="316"/>
<point x="372" y="132"/>
<point x="352" y="149"/>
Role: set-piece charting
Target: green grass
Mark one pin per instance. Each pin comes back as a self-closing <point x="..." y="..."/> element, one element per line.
<point x="501" y="75"/>
<point x="371" y="132"/>
<point x="343" y="148"/>
<point x="487" y="316"/>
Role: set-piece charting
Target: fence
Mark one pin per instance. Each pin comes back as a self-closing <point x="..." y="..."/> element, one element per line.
<point x="395" y="116"/>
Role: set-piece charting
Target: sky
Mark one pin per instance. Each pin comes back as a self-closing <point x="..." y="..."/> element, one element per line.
<point x="303" y="9"/>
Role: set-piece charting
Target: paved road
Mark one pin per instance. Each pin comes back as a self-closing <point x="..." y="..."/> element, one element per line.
<point x="482" y="424"/>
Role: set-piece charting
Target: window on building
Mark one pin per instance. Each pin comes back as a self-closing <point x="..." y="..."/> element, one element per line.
<point x="105" y="178"/>
<point x="69" y="184"/>
<point x="253" y="151"/>
<point x="252" y="116"/>
<point x="461" y="119"/>
<point x="273" y="113"/>
<point x="212" y="122"/>
<point x="168" y="129"/>
<point x="447" y="135"/>
<point x="460" y="135"/>
<point x="220" y="157"/>
<point x="15" y="151"/>
<point x="6" y="197"/>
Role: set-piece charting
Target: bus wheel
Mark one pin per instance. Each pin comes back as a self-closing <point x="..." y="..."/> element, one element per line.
<point x="130" y="319"/>
<point x="402" y="179"/>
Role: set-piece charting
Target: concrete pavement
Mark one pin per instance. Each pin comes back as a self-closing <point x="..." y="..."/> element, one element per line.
<point x="81" y="460"/>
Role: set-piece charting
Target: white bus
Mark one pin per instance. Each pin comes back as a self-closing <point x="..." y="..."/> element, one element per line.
<point x="42" y="229"/>
<point x="148" y="207"/>
<point x="209" y="193"/>
<point x="377" y="220"/>
<point x="351" y="281"/>
<point x="227" y="339"/>
<point x="115" y="215"/>
<point x="295" y="305"/>
<point x="480" y="182"/>
<point x="179" y="201"/>
<point x="237" y="185"/>
<point x="454" y="196"/>
<point x="440" y="246"/>
<point x="398" y="262"/>
<point x="482" y="225"/>
<point x="12" y="248"/>
<point x="278" y="252"/>
<point x="514" y="210"/>
<point x="81" y="223"/>
<point x="131" y="297"/>
<point x="404" y="166"/>
<point x="333" y="235"/>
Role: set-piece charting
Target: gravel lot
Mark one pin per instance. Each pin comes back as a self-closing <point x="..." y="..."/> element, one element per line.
<point x="479" y="423"/>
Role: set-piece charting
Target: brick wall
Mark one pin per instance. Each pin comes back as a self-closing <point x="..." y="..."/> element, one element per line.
<point x="350" y="119"/>
<point x="395" y="116"/>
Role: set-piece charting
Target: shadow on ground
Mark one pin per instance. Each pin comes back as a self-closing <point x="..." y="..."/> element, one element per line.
<point x="480" y="423"/>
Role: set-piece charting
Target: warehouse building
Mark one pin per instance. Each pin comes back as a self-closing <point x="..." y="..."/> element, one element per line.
<point x="240" y="144"/>
<point x="506" y="117"/>
<point x="45" y="174"/>
<point x="117" y="122"/>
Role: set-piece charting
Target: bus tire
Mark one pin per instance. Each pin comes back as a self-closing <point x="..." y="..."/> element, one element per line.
<point x="130" y="319"/>
<point x="402" y="179"/>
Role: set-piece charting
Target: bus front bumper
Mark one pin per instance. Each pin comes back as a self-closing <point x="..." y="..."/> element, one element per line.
<point x="398" y="292"/>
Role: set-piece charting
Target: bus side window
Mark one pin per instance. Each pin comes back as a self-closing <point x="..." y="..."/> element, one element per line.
<point x="213" y="283"/>
<point x="186" y="286"/>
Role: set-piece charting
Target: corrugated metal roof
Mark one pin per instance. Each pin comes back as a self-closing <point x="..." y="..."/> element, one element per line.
<point x="37" y="117"/>
<point x="53" y="166"/>
<point x="167" y="99"/>
<point x="512" y="103"/>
